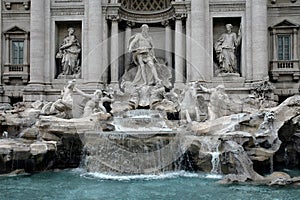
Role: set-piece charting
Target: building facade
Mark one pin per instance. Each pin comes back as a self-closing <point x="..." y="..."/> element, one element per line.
<point x="44" y="43"/>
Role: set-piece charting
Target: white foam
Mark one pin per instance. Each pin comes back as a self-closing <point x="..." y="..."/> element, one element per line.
<point x="214" y="176"/>
<point x="167" y="175"/>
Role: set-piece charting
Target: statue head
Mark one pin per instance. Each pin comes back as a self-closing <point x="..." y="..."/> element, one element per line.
<point x="71" y="30"/>
<point x="228" y="27"/>
<point x="72" y="83"/>
<point x="220" y="88"/>
<point x="98" y="93"/>
<point x="145" y="28"/>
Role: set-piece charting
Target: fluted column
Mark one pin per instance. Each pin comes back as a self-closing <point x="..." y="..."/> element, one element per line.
<point x="188" y="44"/>
<point x="7" y="61"/>
<point x="25" y="60"/>
<point x="114" y="50"/>
<point x="168" y="43"/>
<point x="247" y="43"/>
<point x="127" y="37"/>
<point x="37" y="46"/>
<point x="259" y="39"/>
<point x="295" y="44"/>
<point x="95" y="68"/>
<point x="1" y="58"/>
<point x="179" y="62"/>
<point x="105" y="50"/>
<point x="198" y="69"/>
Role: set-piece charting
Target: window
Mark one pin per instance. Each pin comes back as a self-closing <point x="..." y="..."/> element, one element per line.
<point x="17" y="52"/>
<point x="284" y="47"/>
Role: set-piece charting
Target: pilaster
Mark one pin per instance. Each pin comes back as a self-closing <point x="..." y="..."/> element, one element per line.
<point x="259" y="39"/>
<point x="168" y="42"/>
<point x="198" y="68"/>
<point x="113" y="16"/>
<point x="37" y="43"/>
<point x="94" y="55"/>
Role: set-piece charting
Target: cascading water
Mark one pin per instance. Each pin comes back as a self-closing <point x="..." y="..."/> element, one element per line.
<point x="141" y="143"/>
<point x="211" y="145"/>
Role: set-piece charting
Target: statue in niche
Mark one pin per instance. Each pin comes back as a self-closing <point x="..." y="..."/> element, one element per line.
<point x="147" y="70"/>
<point x="68" y="55"/>
<point x="225" y="50"/>
<point x="147" y="76"/>
<point x="141" y="47"/>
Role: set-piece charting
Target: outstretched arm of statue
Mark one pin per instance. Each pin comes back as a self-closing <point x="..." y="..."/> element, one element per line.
<point x="204" y="89"/>
<point x="82" y="93"/>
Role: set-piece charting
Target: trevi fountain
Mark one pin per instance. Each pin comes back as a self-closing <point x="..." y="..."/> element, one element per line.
<point x="144" y="139"/>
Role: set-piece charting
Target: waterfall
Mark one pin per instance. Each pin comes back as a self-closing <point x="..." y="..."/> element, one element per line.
<point x="215" y="162"/>
<point x="142" y="143"/>
<point x="211" y="146"/>
<point x="286" y="157"/>
<point x="271" y="165"/>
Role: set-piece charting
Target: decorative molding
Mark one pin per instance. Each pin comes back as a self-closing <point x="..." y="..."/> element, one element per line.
<point x="130" y="24"/>
<point x="113" y="12"/>
<point x="140" y="17"/>
<point x="145" y="6"/>
<point x="227" y="7"/>
<point x="62" y="11"/>
<point x="165" y="23"/>
<point x="8" y="4"/>
<point x="67" y="1"/>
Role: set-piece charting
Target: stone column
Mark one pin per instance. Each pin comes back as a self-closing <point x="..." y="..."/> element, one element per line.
<point x="95" y="68"/>
<point x="188" y="44"/>
<point x="168" y="43"/>
<point x="275" y="51"/>
<point x="114" y="50"/>
<point x="179" y="62"/>
<point x="7" y="49"/>
<point x="127" y="37"/>
<point x="25" y="60"/>
<point x="247" y="43"/>
<point x="259" y="39"/>
<point x="105" y="50"/>
<point x="37" y="43"/>
<point x="1" y="58"/>
<point x="198" y="68"/>
<point x="295" y="44"/>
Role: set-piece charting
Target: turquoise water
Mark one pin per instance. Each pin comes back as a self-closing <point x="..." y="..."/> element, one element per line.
<point x="75" y="184"/>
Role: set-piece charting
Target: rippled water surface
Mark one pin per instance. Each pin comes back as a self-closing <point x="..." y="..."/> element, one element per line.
<point x="76" y="184"/>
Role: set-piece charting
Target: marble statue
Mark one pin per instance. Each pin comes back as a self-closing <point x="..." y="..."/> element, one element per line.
<point x="225" y="49"/>
<point x="63" y="106"/>
<point x="141" y="47"/>
<point x="68" y="53"/>
<point x="94" y="103"/>
<point x="148" y="77"/>
<point x="219" y="102"/>
<point x="189" y="104"/>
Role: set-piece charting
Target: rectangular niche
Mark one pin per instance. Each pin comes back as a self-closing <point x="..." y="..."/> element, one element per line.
<point x="68" y="50"/>
<point x="219" y="28"/>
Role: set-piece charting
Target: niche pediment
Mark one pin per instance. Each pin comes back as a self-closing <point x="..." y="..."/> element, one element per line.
<point x="285" y="24"/>
<point x="15" y="30"/>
